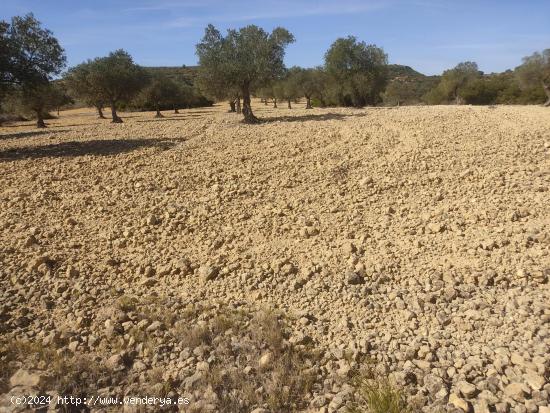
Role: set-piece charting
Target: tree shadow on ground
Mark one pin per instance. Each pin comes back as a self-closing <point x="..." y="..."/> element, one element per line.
<point x="100" y="147"/>
<point x="303" y="118"/>
<point x="171" y="118"/>
<point x="27" y="134"/>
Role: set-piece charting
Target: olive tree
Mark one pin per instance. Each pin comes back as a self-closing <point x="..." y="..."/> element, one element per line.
<point x="39" y="98"/>
<point x="60" y="96"/>
<point x="80" y="82"/>
<point x="181" y="96"/>
<point x="116" y="78"/>
<point x="161" y="91"/>
<point x="287" y="88"/>
<point x="535" y="72"/>
<point x="454" y="81"/>
<point x="30" y="56"/>
<point x="245" y="59"/>
<point x="309" y="84"/>
<point x="30" y="53"/>
<point x="398" y="92"/>
<point x="359" y="71"/>
<point x="6" y="47"/>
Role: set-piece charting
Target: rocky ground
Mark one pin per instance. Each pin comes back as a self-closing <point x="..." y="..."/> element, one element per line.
<point x="191" y="254"/>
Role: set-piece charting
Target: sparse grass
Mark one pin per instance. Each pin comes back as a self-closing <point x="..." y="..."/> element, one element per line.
<point x="375" y="394"/>
<point x="66" y="373"/>
<point x="127" y="303"/>
<point x="239" y="340"/>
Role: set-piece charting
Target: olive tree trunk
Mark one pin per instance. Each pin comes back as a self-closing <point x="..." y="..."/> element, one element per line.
<point x="158" y="114"/>
<point x="275" y="103"/>
<point x="176" y="109"/>
<point x="40" y="119"/>
<point x="100" y="112"/>
<point x="238" y="104"/>
<point x="308" y="102"/>
<point x="547" y="91"/>
<point x="232" y="106"/>
<point x="247" y="106"/>
<point x="116" y="118"/>
<point x="289" y="105"/>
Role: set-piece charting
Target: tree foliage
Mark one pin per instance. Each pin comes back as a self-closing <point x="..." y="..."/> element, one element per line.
<point x="399" y="92"/>
<point x="30" y="53"/>
<point x="39" y="98"/>
<point x="160" y="92"/>
<point x="454" y="81"/>
<point x="287" y="88"/>
<point x="81" y="84"/>
<point x="535" y="72"/>
<point x="112" y="79"/>
<point x="243" y="60"/>
<point x="30" y="56"/>
<point x="359" y="71"/>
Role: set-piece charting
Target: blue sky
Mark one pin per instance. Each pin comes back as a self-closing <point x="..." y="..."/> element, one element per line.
<point x="428" y="35"/>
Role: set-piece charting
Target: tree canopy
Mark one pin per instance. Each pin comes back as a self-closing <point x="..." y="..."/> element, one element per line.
<point x="359" y="70"/>
<point x="535" y="72"/>
<point x="161" y="92"/>
<point x="81" y="84"/>
<point x="29" y="53"/>
<point x="454" y="81"/>
<point x="245" y="59"/>
<point x="30" y="56"/>
<point x="398" y="92"/>
<point x="111" y="79"/>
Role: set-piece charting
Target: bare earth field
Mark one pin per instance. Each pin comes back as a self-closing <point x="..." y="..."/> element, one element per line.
<point x="168" y="253"/>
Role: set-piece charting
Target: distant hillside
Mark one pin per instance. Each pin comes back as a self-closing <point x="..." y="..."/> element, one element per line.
<point x="408" y="74"/>
<point x="184" y="73"/>
<point x="417" y="83"/>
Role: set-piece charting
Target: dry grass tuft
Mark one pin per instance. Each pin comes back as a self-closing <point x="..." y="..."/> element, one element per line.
<point x="255" y="364"/>
<point x="66" y="373"/>
<point x="375" y="394"/>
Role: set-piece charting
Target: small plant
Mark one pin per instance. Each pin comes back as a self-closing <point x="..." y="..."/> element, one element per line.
<point x="67" y="374"/>
<point x="375" y="394"/>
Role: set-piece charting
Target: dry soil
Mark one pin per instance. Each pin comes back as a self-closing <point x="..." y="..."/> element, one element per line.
<point x="418" y="236"/>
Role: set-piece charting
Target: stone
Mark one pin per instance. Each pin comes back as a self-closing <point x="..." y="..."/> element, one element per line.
<point x="30" y="241"/>
<point x="152" y="220"/>
<point x="516" y="391"/>
<point x="516" y="358"/>
<point x="534" y="380"/>
<point x="434" y="228"/>
<point x="468" y="390"/>
<point x="265" y="360"/>
<point x="208" y="273"/>
<point x="366" y="181"/>
<point x="71" y="272"/>
<point x="352" y="278"/>
<point x="203" y="366"/>
<point x="149" y="282"/>
<point x="73" y="345"/>
<point x="481" y="406"/>
<point x="502" y="407"/>
<point x="139" y="366"/>
<point x="114" y="362"/>
<point x="458" y="402"/>
<point x="27" y="378"/>
<point x="348" y="249"/>
<point x="154" y="326"/>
